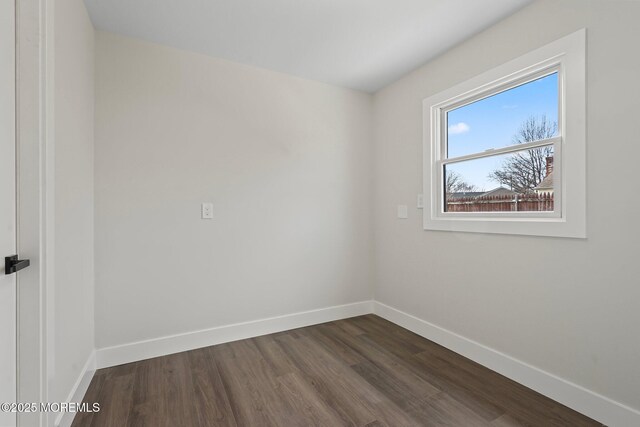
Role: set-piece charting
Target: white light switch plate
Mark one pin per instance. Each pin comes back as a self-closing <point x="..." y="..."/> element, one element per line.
<point x="403" y="211"/>
<point x="207" y="211"/>
<point x="420" y="201"/>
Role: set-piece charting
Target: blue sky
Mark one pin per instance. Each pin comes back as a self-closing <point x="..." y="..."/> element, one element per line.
<point x="492" y="122"/>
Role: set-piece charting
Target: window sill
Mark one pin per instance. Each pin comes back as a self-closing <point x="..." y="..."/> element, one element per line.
<point x="548" y="227"/>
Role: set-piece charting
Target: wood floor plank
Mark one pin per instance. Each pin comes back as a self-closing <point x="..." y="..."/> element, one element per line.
<point x="375" y="401"/>
<point x="252" y="389"/>
<point x="92" y="395"/>
<point x="388" y="385"/>
<point x="465" y="389"/>
<point x="308" y="409"/>
<point x="363" y="371"/>
<point x="334" y="389"/>
<point x="393" y="340"/>
<point x="476" y="401"/>
<point x="326" y="335"/>
<point x="501" y="391"/>
<point x="211" y="406"/>
<point x="348" y="326"/>
<point x="386" y="362"/>
<point x="444" y="410"/>
<point x="375" y="325"/>
<point x="177" y="391"/>
<point x="147" y="394"/>
<point x="274" y="355"/>
<point x="114" y="399"/>
<point x="509" y="421"/>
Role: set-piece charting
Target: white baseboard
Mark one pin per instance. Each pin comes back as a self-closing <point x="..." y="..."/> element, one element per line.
<point x="132" y="352"/>
<point x="587" y="402"/>
<point x="572" y="395"/>
<point x="64" y="419"/>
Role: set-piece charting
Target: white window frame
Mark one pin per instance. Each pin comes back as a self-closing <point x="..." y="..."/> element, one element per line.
<point x="566" y="57"/>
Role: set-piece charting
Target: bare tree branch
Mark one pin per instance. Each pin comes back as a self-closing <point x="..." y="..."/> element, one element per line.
<point x="455" y="183"/>
<point x="524" y="170"/>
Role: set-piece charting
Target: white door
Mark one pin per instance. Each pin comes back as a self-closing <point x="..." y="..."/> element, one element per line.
<point x="7" y="209"/>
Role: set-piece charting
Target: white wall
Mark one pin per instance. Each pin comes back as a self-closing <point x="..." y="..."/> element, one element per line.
<point x="73" y="340"/>
<point x="285" y="161"/>
<point x="569" y="307"/>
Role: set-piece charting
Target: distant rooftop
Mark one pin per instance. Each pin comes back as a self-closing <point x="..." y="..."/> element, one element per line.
<point x="496" y="192"/>
<point x="464" y="195"/>
<point x="546" y="184"/>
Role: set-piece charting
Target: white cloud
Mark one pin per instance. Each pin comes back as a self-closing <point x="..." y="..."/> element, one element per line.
<point x="458" y="128"/>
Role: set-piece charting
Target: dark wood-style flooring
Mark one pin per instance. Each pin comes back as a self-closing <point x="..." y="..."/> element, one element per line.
<point x="363" y="371"/>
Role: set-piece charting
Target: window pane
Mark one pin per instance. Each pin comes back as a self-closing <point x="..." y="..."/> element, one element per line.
<point x="525" y="113"/>
<point x="520" y="181"/>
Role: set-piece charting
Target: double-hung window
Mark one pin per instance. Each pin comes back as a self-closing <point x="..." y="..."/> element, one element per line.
<point x="505" y="151"/>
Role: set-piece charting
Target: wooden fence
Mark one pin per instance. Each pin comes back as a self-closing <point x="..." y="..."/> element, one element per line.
<point x="522" y="202"/>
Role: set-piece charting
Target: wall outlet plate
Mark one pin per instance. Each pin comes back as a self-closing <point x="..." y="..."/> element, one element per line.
<point x="207" y="211"/>
<point x="403" y="211"/>
<point x="420" y="201"/>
